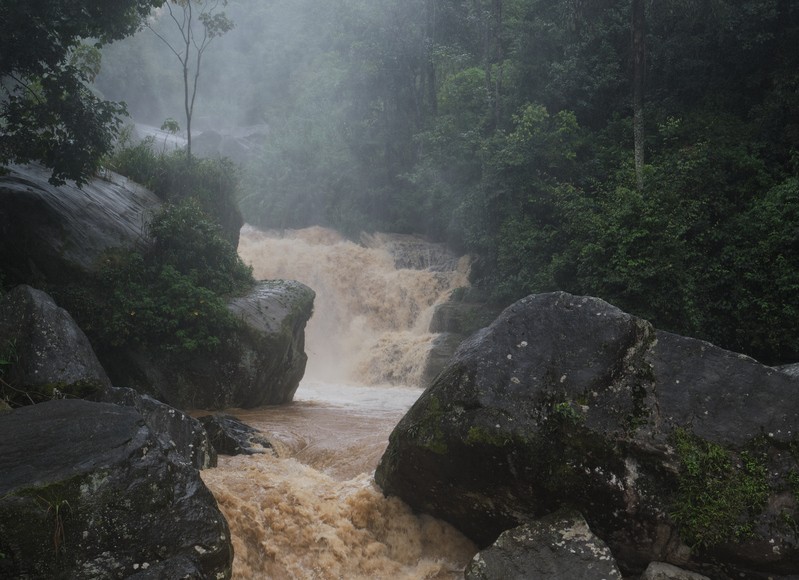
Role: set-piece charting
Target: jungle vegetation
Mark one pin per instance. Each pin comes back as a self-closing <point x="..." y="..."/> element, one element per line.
<point x="643" y="152"/>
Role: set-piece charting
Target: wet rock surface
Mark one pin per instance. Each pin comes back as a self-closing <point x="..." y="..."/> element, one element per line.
<point x="557" y="546"/>
<point x="87" y="490"/>
<point x="259" y="363"/>
<point x="55" y="233"/>
<point x="674" y="450"/>
<point x="229" y="436"/>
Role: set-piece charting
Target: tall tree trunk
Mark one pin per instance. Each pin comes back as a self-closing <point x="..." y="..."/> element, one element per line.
<point x="639" y="69"/>
<point x="498" y="59"/>
<point x="430" y="66"/>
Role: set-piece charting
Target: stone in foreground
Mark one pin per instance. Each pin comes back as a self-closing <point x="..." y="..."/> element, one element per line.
<point x="555" y="547"/>
<point x="88" y="491"/>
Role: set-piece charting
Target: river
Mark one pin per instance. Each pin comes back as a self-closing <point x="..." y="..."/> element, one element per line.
<point x="312" y="510"/>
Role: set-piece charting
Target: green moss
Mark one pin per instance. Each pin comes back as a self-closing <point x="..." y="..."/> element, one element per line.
<point x="480" y="435"/>
<point x="793" y="483"/>
<point x="565" y="412"/>
<point x="718" y="493"/>
<point x="428" y="429"/>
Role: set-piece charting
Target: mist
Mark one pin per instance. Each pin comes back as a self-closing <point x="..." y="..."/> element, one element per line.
<point x="311" y="98"/>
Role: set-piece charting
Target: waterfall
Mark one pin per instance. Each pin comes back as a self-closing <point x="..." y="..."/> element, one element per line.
<point x="312" y="509"/>
<point x="373" y="302"/>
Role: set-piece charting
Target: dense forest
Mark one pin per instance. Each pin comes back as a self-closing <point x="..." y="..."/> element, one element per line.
<point x="643" y="152"/>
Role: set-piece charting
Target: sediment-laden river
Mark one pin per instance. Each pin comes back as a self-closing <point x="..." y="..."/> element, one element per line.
<point x="312" y="510"/>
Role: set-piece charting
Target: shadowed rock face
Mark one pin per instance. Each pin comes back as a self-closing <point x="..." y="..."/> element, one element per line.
<point x="88" y="491"/>
<point x="53" y="233"/>
<point x="48" y="352"/>
<point x="568" y="401"/>
<point x="259" y="363"/>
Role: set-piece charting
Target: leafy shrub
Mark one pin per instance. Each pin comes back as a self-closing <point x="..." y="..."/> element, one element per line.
<point x="213" y="183"/>
<point x="170" y="296"/>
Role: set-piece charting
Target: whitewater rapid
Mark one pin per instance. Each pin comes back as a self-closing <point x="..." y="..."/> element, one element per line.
<point x="311" y="509"/>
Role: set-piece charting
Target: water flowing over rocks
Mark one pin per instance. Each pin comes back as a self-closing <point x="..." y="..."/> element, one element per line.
<point x="673" y="450"/>
<point x="89" y="491"/>
<point x="557" y="546"/>
<point x="373" y="306"/>
<point x="259" y="363"/>
<point x="50" y="354"/>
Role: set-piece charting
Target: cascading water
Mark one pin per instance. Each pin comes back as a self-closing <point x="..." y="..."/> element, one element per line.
<point x="371" y="317"/>
<point x="312" y="510"/>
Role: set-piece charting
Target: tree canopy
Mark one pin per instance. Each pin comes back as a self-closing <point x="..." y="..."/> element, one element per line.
<point x="48" y="112"/>
<point x="506" y="128"/>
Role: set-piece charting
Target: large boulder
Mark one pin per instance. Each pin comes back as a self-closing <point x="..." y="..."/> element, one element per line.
<point x="52" y="233"/>
<point x="88" y="490"/>
<point x="259" y="363"/>
<point x="46" y="354"/>
<point x="674" y="450"/>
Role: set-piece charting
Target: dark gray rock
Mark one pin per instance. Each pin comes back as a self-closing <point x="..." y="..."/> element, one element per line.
<point x="260" y="363"/>
<point x="555" y="547"/>
<point x="792" y="369"/>
<point x="88" y="491"/>
<point x="454" y="321"/>
<point x="48" y="353"/>
<point x="229" y="436"/>
<point x="413" y="252"/>
<point x="568" y="401"/>
<point x="177" y="431"/>
<point x="663" y="571"/>
<point x="442" y="348"/>
<point x="56" y="233"/>
<point x="462" y="318"/>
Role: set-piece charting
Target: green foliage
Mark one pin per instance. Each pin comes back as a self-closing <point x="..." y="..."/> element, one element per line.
<point x="719" y="493"/>
<point x="505" y="128"/>
<point x="213" y="183"/>
<point x="48" y="113"/>
<point x="170" y="296"/>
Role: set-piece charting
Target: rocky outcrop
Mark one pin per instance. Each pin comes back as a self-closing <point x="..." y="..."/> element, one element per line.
<point x="555" y="547"/>
<point x="663" y="571"/>
<point x="178" y="432"/>
<point x="88" y="490"/>
<point x="229" y="436"/>
<point x="56" y="233"/>
<point x="260" y="363"/>
<point x="241" y="144"/>
<point x="673" y="450"/>
<point x="46" y="353"/>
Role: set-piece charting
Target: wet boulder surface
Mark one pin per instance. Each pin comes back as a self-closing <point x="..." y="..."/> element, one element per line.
<point x="229" y="436"/>
<point x="56" y="233"/>
<point x="88" y="490"/>
<point x="259" y="362"/>
<point x="46" y="354"/>
<point x="674" y="450"/>
<point x="559" y="545"/>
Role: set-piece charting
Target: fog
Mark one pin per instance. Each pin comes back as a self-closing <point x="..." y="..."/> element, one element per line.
<point x="247" y="75"/>
<point x="317" y="100"/>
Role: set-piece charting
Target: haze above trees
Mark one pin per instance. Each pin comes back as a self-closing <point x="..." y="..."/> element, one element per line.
<point x="506" y="129"/>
